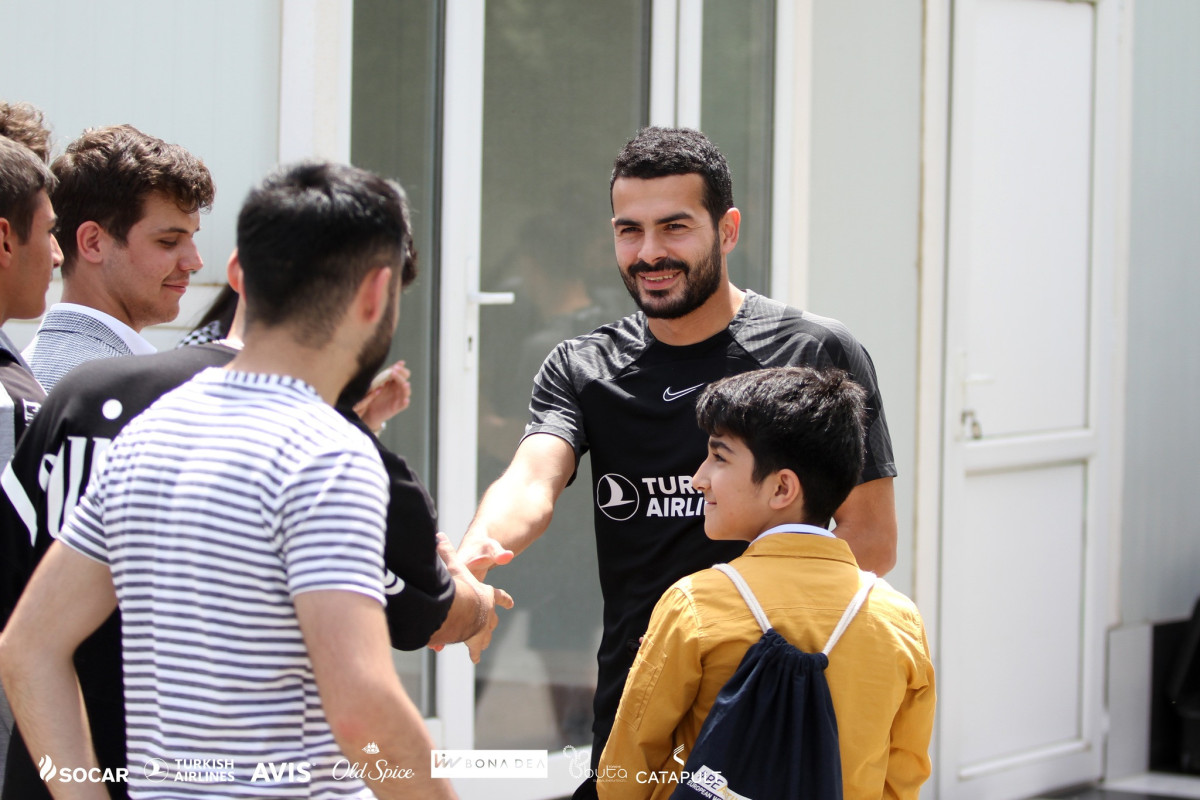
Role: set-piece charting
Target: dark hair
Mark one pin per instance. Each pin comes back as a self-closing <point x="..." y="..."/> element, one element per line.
<point x="22" y="176"/>
<point x="106" y="175"/>
<point x="799" y="418"/>
<point x="26" y="124"/>
<point x="308" y="235"/>
<point x="660" y="152"/>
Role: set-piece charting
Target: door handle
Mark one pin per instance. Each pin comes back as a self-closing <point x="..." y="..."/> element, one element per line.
<point x="492" y="298"/>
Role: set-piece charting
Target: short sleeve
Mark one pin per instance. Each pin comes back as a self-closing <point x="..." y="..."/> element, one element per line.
<point x="84" y="529"/>
<point x="332" y="524"/>
<point x="554" y="407"/>
<point x="847" y="353"/>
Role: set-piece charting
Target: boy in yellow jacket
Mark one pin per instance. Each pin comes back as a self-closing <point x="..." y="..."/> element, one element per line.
<point x="785" y="448"/>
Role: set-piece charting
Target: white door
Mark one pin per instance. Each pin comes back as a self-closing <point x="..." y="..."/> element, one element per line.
<point x="1028" y="381"/>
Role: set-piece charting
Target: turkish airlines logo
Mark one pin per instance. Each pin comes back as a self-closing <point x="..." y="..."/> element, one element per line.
<point x="617" y="497"/>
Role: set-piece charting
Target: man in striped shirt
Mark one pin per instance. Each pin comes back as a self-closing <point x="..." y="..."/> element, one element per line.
<point x="238" y="524"/>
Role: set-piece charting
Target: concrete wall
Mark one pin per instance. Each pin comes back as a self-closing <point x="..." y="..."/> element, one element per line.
<point x="204" y="75"/>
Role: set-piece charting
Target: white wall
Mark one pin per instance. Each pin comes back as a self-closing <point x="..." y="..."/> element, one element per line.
<point x="865" y="204"/>
<point x="1160" y="558"/>
<point x="201" y="74"/>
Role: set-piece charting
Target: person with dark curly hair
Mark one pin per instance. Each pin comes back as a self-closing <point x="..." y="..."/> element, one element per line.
<point x="128" y="211"/>
<point x="26" y="124"/>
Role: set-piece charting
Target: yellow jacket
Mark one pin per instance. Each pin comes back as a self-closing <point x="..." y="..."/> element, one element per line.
<point x="879" y="673"/>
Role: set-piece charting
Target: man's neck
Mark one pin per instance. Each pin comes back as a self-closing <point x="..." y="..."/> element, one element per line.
<point x="83" y="296"/>
<point x="276" y="352"/>
<point x="706" y="321"/>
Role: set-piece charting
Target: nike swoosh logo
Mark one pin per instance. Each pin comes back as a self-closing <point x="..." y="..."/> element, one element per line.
<point x="668" y="395"/>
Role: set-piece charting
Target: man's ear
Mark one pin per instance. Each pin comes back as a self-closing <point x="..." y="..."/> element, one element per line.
<point x="786" y="489"/>
<point x="233" y="272"/>
<point x="730" y="227"/>
<point x="91" y="241"/>
<point x="8" y="241"/>
<point x="374" y="293"/>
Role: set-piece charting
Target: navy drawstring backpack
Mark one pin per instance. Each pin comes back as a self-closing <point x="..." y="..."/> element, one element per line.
<point x="771" y="733"/>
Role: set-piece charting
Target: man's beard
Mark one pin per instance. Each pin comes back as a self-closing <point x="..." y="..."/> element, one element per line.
<point x="371" y="358"/>
<point x="701" y="282"/>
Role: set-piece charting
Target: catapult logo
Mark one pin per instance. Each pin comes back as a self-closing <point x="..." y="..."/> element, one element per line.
<point x="665" y="496"/>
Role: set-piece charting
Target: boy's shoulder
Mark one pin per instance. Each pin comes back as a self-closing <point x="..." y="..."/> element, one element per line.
<point x="710" y="594"/>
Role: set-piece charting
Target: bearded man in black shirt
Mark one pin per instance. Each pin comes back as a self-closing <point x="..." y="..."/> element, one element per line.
<point x="626" y="393"/>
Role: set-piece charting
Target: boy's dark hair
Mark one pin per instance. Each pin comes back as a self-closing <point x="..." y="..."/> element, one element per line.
<point x="22" y="176"/>
<point x="799" y="418"/>
<point x="106" y="175"/>
<point x="661" y="152"/>
<point x="309" y="234"/>
<point x="26" y="124"/>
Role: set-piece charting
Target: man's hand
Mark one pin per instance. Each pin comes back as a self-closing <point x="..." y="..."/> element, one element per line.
<point x="389" y="394"/>
<point x="478" y="634"/>
<point x="480" y="553"/>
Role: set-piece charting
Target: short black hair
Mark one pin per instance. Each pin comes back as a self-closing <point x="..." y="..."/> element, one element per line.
<point x="308" y="235"/>
<point x="22" y="176"/>
<point x="661" y="152"/>
<point x="805" y="419"/>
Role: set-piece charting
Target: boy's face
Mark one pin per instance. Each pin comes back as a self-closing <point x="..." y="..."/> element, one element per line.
<point x="148" y="275"/>
<point x="735" y="507"/>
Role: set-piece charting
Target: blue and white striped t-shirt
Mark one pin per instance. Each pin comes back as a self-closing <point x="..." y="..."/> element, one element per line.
<point x="227" y="498"/>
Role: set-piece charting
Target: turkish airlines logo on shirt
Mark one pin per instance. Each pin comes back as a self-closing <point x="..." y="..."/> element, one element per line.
<point x="619" y="498"/>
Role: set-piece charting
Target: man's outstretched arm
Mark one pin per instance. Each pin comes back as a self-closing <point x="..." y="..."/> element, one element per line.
<point x="347" y="640"/>
<point x="517" y="508"/>
<point x="68" y="598"/>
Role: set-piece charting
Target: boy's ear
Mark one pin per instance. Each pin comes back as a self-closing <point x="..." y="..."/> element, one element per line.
<point x="787" y="490"/>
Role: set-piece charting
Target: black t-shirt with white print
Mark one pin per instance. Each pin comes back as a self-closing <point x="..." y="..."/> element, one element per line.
<point x="629" y="400"/>
<point x="50" y="472"/>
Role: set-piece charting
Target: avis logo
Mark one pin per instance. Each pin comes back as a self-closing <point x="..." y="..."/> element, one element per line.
<point x="283" y="772"/>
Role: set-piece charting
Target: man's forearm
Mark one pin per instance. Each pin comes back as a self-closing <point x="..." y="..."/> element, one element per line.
<point x="48" y="707"/>
<point x="517" y="508"/>
<point x="468" y="614"/>
<point x="513" y="513"/>
<point x="391" y="720"/>
<point x="867" y="522"/>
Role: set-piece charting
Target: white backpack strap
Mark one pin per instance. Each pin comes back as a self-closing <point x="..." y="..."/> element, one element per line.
<point x="747" y="595"/>
<point x="852" y="609"/>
